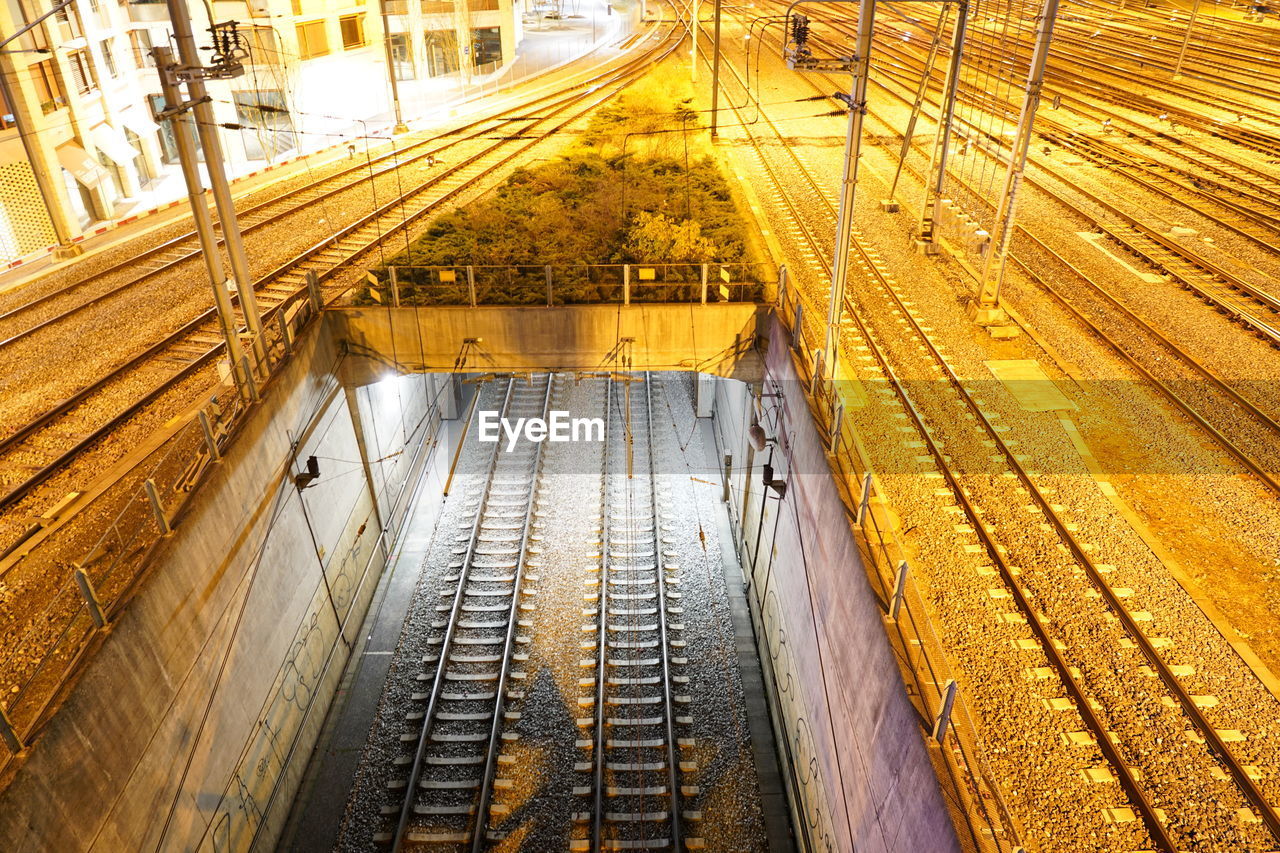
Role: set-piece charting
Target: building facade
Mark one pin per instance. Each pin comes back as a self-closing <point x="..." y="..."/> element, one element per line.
<point x="82" y="89"/>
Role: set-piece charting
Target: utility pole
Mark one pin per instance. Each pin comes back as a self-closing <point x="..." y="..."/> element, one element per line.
<point x="1186" y="39"/>
<point x="861" y="67"/>
<point x="987" y="311"/>
<point x="180" y="123"/>
<point x="715" y="76"/>
<point x="193" y="74"/>
<point x="40" y="166"/>
<point x="400" y="127"/>
<point x="931" y="210"/>
<point x="890" y="204"/>
<point x="693" y="31"/>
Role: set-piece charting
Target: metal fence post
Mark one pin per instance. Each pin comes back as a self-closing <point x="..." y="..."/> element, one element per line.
<point x="944" y="713"/>
<point x="797" y="330"/>
<point x="899" y="591"/>
<point x="313" y="290"/>
<point x="626" y="284"/>
<point x="286" y="337"/>
<point x="837" y="417"/>
<point x="782" y="283"/>
<point x="250" y="381"/>
<point x="91" y="597"/>
<point x="209" y="439"/>
<point x="704" y="284"/>
<point x="10" y="736"/>
<point x="548" y="272"/>
<point x="395" y="287"/>
<point x="471" y="284"/>
<point x="158" y="508"/>
<point x="866" y="497"/>
<point x="728" y="474"/>
<point x="818" y="359"/>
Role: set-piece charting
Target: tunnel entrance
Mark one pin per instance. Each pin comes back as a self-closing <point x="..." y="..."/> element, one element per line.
<point x="695" y="656"/>
<point x="555" y="661"/>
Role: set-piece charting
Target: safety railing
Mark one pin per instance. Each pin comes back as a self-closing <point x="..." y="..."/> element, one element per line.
<point x="569" y="284"/>
<point x="921" y="653"/>
<point x="71" y="574"/>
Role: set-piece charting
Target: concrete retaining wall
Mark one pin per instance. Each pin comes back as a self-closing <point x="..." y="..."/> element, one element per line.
<point x="853" y="746"/>
<point x="714" y="338"/>
<point x="194" y="721"/>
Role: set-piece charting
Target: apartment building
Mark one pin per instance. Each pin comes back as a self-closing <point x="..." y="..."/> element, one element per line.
<point x="83" y="88"/>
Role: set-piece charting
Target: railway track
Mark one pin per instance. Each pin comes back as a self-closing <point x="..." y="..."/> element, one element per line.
<point x="37" y="450"/>
<point x="1055" y="602"/>
<point x="629" y="778"/>
<point x="445" y="800"/>
<point x="413" y="151"/>
<point x="1252" y="306"/>
<point x="1243" y="427"/>
<point x="633" y="752"/>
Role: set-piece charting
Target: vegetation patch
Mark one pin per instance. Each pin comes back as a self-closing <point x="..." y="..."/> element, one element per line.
<point x="638" y="187"/>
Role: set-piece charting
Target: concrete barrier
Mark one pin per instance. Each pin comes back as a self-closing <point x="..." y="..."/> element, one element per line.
<point x="853" y="746"/>
<point x="192" y="724"/>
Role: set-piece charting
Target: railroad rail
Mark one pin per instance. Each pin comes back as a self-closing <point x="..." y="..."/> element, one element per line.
<point x="1253" y="307"/>
<point x="1213" y="412"/>
<point x="1121" y="752"/>
<point x="635" y="767"/>
<point x="445" y="798"/>
<point x="1249" y="304"/>
<point x="91" y="413"/>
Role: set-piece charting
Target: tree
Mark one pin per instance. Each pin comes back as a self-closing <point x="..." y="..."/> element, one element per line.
<point x="653" y="238"/>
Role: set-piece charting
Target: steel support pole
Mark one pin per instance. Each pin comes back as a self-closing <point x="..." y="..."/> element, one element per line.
<point x="40" y="165"/>
<point x="988" y="304"/>
<point x="852" y="147"/>
<point x="181" y="126"/>
<point x="715" y="76"/>
<point x="931" y="210"/>
<point x="400" y="127"/>
<point x="926" y="77"/>
<point x="1186" y="39"/>
<point x="693" y="53"/>
<point x="206" y="126"/>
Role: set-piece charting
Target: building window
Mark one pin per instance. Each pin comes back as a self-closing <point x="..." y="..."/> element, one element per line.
<point x="35" y="38"/>
<point x="45" y="77"/>
<point x="261" y="42"/>
<point x="70" y="18"/>
<point x="265" y="112"/>
<point x="442" y="52"/>
<point x="482" y="5"/>
<point x="352" y="27"/>
<point x="167" y="137"/>
<point x="486" y="45"/>
<point x="81" y="71"/>
<point x="437" y="7"/>
<point x="401" y="55"/>
<point x="296" y="5"/>
<point x="140" y="44"/>
<point x="312" y="40"/>
<point x="108" y="57"/>
<point x="145" y="175"/>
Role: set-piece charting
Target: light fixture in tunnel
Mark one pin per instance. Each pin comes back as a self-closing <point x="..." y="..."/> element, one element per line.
<point x="757" y="437"/>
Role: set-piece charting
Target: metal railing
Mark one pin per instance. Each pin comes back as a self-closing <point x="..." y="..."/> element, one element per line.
<point x="569" y="284"/>
<point x="70" y="577"/>
<point x="969" y="785"/>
